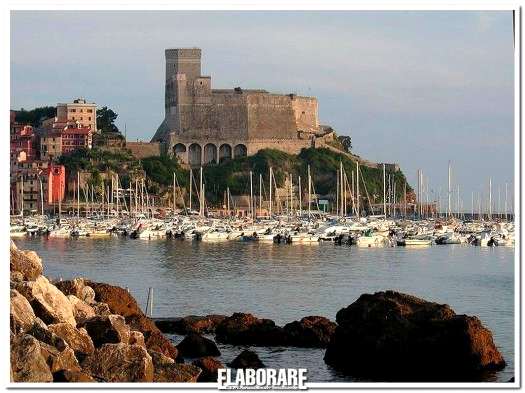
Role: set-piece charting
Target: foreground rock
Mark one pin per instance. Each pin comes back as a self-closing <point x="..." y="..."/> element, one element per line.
<point x="247" y="359"/>
<point x="107" y="329"/>
<point x="21" y="314"/>
<point x="195" y="346"/>
<point x="209" y="367"/>
<point x="24" y="265"/>
<point x="166" y="370"/>
<point x="312" y="331"/>
<point x="119" y="301"/>
<point x="47" y="301"/>
<point x="77" y="339"/>
<point x="245" y="329"/>
<point x="190" y="324"/>
<point x="27" y="362"/>
<point x="120" y="363"/>
<point x="391" y="336"/>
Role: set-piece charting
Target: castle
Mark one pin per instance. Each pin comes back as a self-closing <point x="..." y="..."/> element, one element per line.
<point x="204" y="125"/>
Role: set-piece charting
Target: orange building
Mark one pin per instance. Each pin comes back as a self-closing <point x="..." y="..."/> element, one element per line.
<point x="56" y="183"/>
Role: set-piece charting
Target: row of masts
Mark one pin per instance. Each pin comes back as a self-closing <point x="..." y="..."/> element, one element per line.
<point x="114" y="200"/>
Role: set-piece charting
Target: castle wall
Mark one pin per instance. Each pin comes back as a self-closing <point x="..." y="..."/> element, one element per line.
<point x="270" y="116"/>
<point x="144" y="149"/>
<point x="305" y="111"/>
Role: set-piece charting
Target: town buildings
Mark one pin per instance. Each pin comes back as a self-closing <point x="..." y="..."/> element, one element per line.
<point x="37" y="181"/>
<point x="78" y="111"/>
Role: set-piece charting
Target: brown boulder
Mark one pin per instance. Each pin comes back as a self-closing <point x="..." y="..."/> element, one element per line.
<point x="28" y="263"/>
<point x="72" y="376"/>
<point x="247" y="359"/>
<point x="190" y="324"/>
<point x="136" y="338"/>
<point x="77" y="287"/>
<point x="101" y="308"/>
<point x="121" y="302"/>
<point x="27" y="362"/>
<point x="21" y="314"/>
<point x="109" y="329"/>
<point x="166" y="370"/>
<point x="81" y="310"/>
<point x="209" y="367"/>
<point x="312" y="331"/>
<point x="195" y="346"/>
<point x="58" y="360"/>
<point x="40" y="331"/>
<point x="77" y="339"/>
<point x="47" y="301"/>
<point x="118" y="299"/>
<point x="246" y="329"/>
<point x="120" y="363"/>
<point x="391" y="336"/>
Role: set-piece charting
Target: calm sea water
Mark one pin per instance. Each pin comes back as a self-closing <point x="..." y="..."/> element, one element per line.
<point x="287" y="282"/>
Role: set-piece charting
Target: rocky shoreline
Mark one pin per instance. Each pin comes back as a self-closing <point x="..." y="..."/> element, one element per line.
<point x="83" y="331"/>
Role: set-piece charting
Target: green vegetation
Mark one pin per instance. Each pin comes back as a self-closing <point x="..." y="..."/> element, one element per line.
<point x="35" y="116"/>
<point x="106" y="120"/>
<point x="324" y="165"/>
<point x="235" y="174"/>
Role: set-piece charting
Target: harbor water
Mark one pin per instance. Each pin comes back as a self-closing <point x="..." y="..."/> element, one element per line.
<point x="287" y="282"/>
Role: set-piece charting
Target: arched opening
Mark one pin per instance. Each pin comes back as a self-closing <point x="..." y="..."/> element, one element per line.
<point x="210" y="153"/>
<point x="240" y="151"/>
<point x="225" y="152"/>
<point x="195" y="154"/>
<point x="179" y="150"/>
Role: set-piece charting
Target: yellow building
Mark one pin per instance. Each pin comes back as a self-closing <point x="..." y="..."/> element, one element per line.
<point x="80" y="111"/>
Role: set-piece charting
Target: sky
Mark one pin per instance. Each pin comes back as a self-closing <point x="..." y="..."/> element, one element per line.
<point x="417" y="88"/>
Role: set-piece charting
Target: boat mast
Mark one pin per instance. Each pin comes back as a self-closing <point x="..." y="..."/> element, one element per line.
<point x="41" y="196"/>
<point x="449" y="191"/>
<point x="357" y="188"/>
<point x="201" y="210"/>
<point x="260" y="194"/>
<point x="384" y="191"/>
<point x="490" y="198"/>
<point x="251" y="194"/>
<point x="300" y="199"/>
<point x="22" y="202"/>
<point x="309" y="193"/>
<point x="337" y="188"/>
<point x="506" y="213"/>
<point x="174" y="199"/>
<point x="270" y="204"/>
<point x="191" y="179"/>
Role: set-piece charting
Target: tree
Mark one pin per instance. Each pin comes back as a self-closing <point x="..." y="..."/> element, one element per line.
<point x="35" y="116"/>
<point x="106" y="120"/>
<point x="346" y="141"/>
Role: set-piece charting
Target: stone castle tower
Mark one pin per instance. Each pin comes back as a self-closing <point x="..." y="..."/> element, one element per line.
<point x="204" y="125"/>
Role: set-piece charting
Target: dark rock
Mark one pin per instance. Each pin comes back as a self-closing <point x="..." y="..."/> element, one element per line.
<point x="195" y="346"/>
<point x="166" y="370"/>
<point x="77" y="287"/>
<point x="72" y="376"/>
<point x="121" y="302"/>
<point x="190" y="324"/>
<point x="511" y="380"/>
<point x="391" y="336"/>
<point x="245" y="329"/>
<point x="27" y="362"/>
<point x="109" y="329"/>
<point x="209" y="367"/>
<point x="120" y="363"/>
<point x="312" y="331"/>
<point x="247" y="359"/>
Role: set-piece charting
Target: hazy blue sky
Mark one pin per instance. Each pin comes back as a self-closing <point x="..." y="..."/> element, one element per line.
<point x="417" y="88"/>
